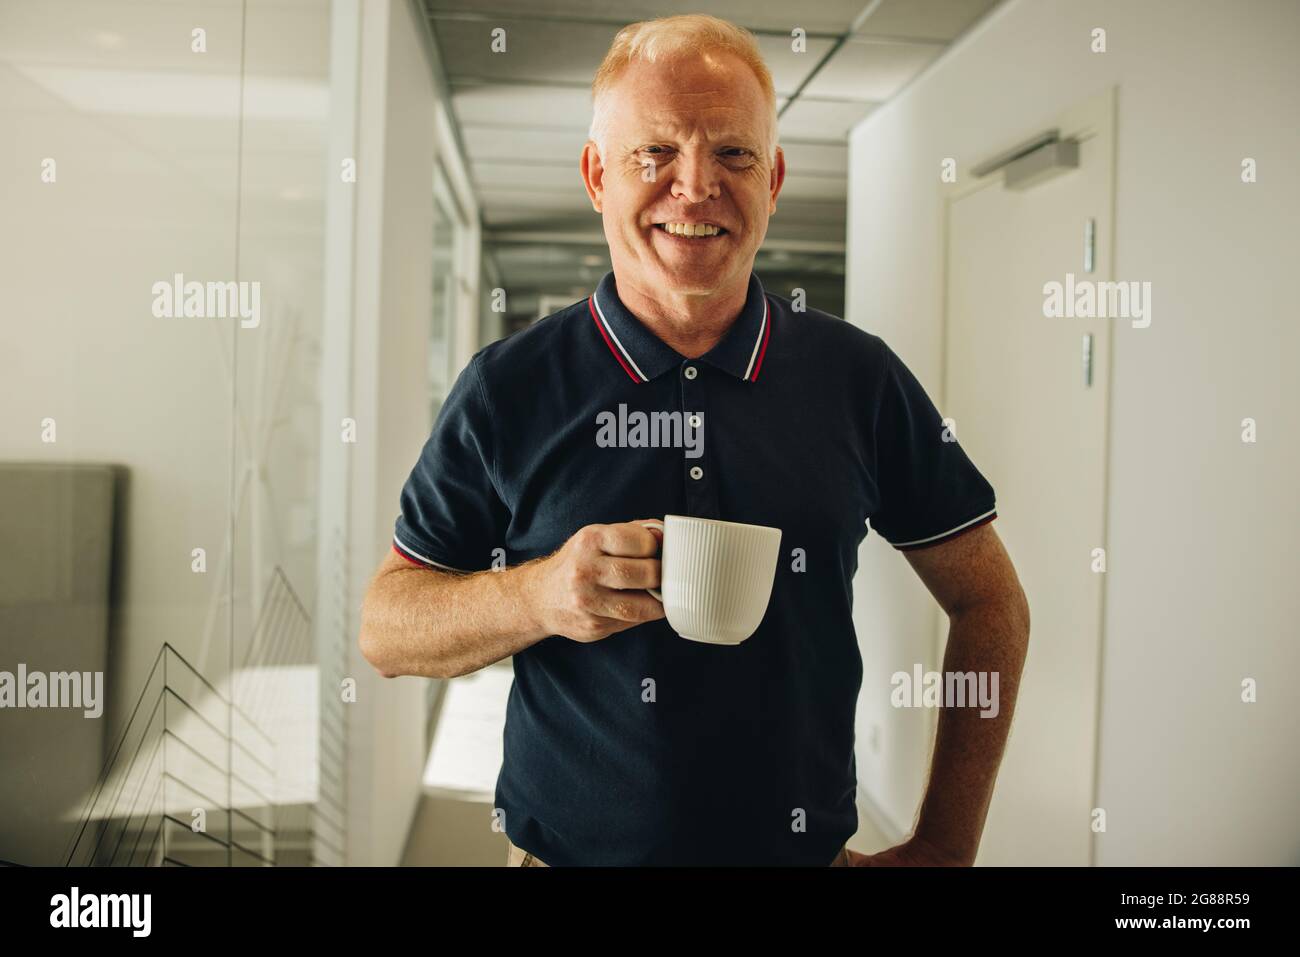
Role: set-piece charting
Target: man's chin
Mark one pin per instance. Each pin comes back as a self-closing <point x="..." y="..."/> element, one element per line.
<point x="695" y="278"/>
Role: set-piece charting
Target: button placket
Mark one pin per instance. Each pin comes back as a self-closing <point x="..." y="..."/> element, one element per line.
<point x="701" y="495"/>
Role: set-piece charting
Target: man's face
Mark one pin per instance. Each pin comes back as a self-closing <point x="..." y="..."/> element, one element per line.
<point x="686" y="151"/>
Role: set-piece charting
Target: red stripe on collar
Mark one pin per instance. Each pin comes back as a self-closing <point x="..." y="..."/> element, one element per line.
<point x="767" y="334"/>
<point x="600" y="327"/>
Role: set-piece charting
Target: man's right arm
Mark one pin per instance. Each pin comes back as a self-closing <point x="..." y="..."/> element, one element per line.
<point x="439" y="624"/>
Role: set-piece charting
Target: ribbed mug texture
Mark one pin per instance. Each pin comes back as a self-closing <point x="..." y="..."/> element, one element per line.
<point x="717" y="577"/>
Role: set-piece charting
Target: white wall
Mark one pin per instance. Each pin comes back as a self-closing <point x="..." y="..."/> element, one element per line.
<point x="1201" y="527"/>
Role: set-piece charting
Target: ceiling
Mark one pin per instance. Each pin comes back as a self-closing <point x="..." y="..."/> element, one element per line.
<point x="523" y="116"/>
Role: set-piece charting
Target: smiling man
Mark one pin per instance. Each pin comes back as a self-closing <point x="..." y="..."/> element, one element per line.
<point x="624" y="743"/>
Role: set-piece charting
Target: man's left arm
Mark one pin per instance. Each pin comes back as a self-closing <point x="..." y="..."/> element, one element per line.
<point x="973" y="580"/>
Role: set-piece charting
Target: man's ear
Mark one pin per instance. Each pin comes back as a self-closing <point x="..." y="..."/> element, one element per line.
<point x="593" y="173"/>
<point x="778" y="178"/>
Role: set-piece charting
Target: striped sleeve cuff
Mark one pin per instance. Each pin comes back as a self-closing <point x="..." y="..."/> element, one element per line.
<point x="416" y="558"/>
<point x="950" y="534"/>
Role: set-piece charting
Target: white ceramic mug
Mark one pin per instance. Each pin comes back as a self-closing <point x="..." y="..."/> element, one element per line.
<point x="717" y="576"/>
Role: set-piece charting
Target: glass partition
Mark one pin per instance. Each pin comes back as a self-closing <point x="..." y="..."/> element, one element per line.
<point x="448" y="237"/>
<point x="167" y="178"/>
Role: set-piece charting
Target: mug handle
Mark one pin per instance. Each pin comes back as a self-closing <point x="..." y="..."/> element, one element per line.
<point x="655" y="523"/>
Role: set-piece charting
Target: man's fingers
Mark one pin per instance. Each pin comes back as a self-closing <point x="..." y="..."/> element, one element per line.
<point x="630" y="606"/>
<point x="628" y="540"/>
<point x="656" y="530"/>
<point x="614" y="572"/>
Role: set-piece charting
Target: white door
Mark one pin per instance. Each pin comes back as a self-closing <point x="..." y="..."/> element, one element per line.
<point x="1015" y="384"/>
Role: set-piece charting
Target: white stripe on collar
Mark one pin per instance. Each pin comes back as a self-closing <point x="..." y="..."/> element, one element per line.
<point x="757" y="342"/>
<point x="610" y="329"/>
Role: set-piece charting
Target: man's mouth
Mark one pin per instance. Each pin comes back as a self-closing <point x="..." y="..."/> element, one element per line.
<point x="692" y="230"/>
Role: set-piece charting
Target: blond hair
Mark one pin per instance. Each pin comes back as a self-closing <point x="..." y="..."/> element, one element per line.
<point x="665" y="39"/>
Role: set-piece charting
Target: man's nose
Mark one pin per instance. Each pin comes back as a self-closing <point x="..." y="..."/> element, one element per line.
<point x="695" y="177"/>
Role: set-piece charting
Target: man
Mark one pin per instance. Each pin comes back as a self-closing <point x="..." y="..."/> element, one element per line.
<point x="624" y="743"/>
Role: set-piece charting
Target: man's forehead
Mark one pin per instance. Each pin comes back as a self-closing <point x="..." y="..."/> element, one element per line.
<point x="713" y="95"/>
<point x="712" y="74"/>
<point x="713" y="124"/>
<point x="710" y="118"/>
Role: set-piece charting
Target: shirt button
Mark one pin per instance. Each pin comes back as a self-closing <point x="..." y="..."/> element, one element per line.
<point x="697" y="473"/>
<point x="695" y="421"/>
<point x="690" y="372"/>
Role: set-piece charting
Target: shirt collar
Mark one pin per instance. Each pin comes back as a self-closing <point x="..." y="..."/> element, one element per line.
<point x="644" y="356"/>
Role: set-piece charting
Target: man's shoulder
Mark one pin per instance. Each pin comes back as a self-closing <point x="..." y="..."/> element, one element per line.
<point x="825" y="331"/>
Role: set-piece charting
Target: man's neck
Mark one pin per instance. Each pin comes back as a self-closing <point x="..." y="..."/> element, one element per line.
<point x="689" y="324"/>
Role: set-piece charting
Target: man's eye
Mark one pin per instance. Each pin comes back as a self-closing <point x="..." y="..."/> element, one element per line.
<point x="654" y="155"/>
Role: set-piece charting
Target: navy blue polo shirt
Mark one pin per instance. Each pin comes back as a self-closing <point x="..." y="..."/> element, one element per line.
<point x="645" y="748"/>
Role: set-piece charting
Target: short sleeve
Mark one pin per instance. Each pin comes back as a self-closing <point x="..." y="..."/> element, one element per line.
<point x="930" y="491"/>
<point x="451" y="514"/>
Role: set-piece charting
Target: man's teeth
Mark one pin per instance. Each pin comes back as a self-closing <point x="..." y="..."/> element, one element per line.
<point x="691" y="229"/>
